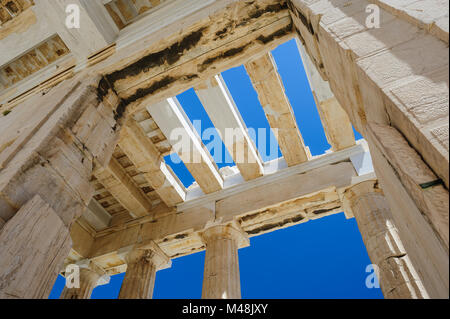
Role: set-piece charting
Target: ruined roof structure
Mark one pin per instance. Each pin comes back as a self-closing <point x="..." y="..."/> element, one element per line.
<point x="88" y="114"/>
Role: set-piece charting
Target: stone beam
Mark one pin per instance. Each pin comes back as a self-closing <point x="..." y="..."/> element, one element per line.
<point x="176" y="10"/>
<point x="148" y="160"/>
<point x="174" y="54"/>
<point x="335" y="121"/>
<point x="116" y="181"/>
<point x="298" y="194"/>
<point x="224" y="114"/>
<point x="267" y="83"/>
<point x="96" y="216"/>
<point x="179" y="60"/>
<point x="277" y="170"/>
<point x="82" y="239"/>
<point x="283" y="191"/>
<point x="174" y="123"/>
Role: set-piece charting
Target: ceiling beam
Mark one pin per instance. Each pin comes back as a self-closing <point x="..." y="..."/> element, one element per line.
<point x="269" y="86"/>
<point x="224" y="114"/>
<point x="148" y="160"/>
<point x="179" y="131"/>
<point x="96" y="216"/>
<point x="122" y="187"/>
<point x="335" y="121"/>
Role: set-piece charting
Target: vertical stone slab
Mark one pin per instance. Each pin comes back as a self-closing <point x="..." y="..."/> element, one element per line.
<point x="426" y="251"/>
<point x="54" y="157"/>
<point x="33" y="246"/>
<point x="395" y="76"/>
<point x="45" y="171"/>
<point x="426" y="189"/>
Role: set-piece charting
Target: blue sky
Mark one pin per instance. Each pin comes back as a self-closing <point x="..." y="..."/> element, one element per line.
<point x="325" y="258"/>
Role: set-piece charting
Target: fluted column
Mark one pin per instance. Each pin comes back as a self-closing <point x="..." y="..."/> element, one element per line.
<point x="142" y="264"/>
<point x="397" y="276"/>
<point x="91" y="276"/>
<point x="221" y="278"/>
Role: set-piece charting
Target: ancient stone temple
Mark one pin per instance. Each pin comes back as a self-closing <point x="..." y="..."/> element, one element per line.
<point x="88" y="108"/>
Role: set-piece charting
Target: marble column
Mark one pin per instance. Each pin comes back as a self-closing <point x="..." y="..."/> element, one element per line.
<point x="142" y="265"/>
<point x="396" y="274"/>
<point x="91" y="276"/>
<point x="221" y="278"/>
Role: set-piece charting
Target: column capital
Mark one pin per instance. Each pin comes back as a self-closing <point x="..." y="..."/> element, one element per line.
<point x="143" y="261"/>
<point x="92" y="271"/>
<point x="353" y="192"/>
<point x="91" y="276"/>
<point x="368" y="186"/>
<point x="226" y="232"/>
<point x="149" y="252"/>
